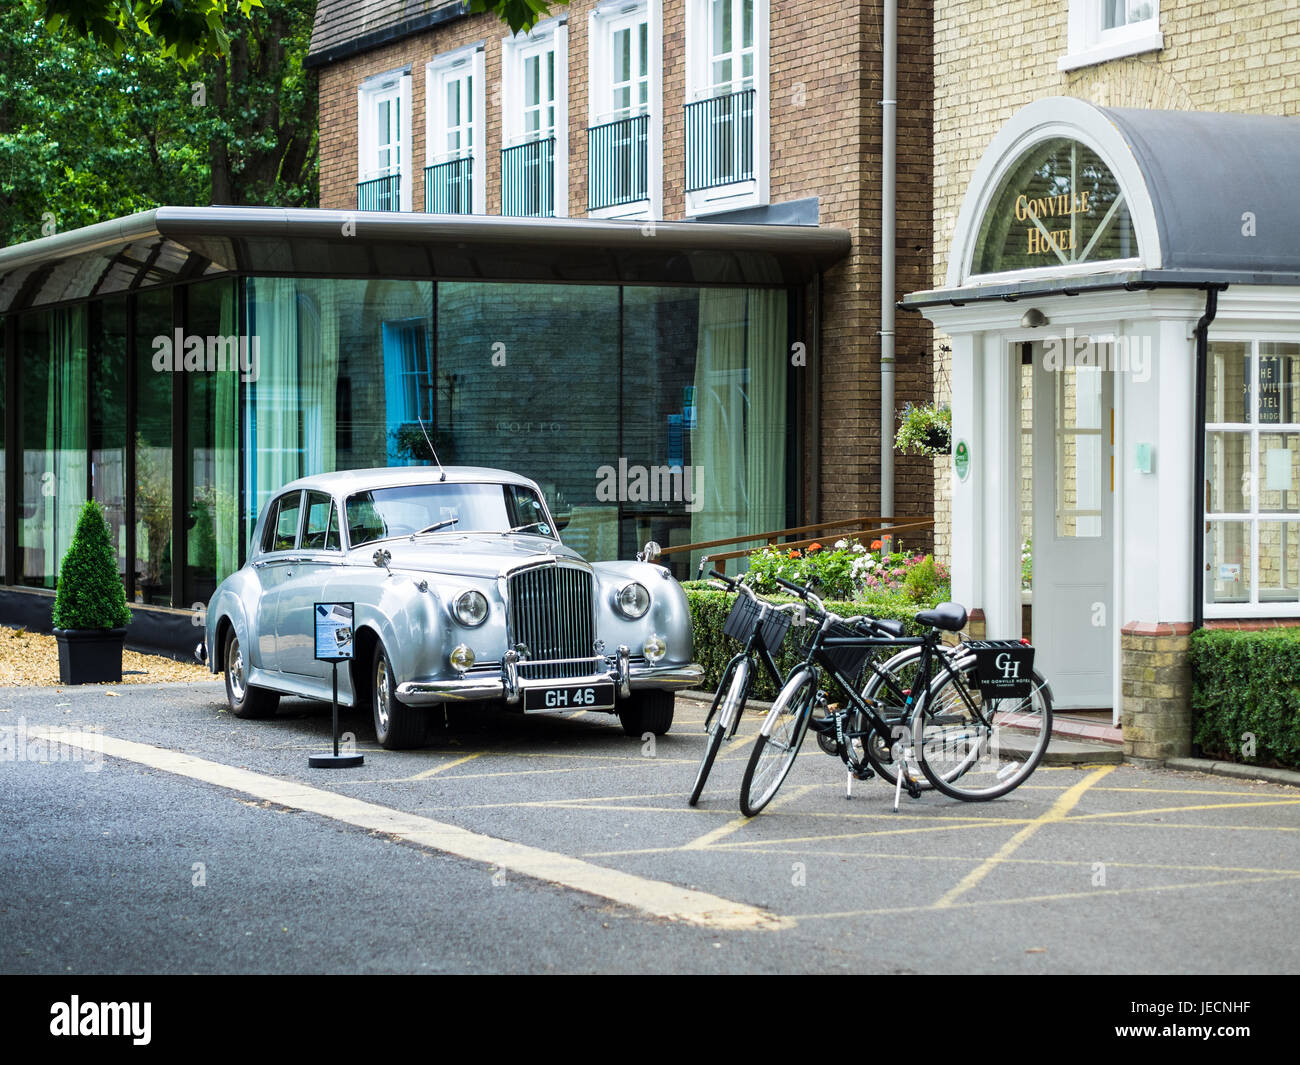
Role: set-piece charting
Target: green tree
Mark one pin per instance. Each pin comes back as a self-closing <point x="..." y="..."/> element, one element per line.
<point x="86" y="135"/>
<point x="90" y="593"/>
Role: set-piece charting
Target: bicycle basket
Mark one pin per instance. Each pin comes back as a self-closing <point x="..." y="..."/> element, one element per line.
<point x="744" y="616"/>
<point x="846" y="660"/>
<point x="1003" y="668"/>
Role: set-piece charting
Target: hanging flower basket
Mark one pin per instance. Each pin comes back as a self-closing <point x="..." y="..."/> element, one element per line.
<point x="924" y="430"/>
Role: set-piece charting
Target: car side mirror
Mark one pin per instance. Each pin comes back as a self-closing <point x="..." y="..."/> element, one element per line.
<point x="650" y="553"/>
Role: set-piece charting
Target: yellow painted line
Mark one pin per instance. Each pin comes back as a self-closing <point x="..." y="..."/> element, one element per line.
<point x="654" y="897"/>
<point x="447" y="765"/>
<point x="709" y="838"/>
<point x="1187" y="809"/>
<point x="1205" y="828"/>
<point x="1059" y="809"/>
<point x="1062" y="897"/>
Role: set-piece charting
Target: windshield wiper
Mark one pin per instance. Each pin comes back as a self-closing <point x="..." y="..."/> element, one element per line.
<point x="530" y="525"/>
<point x="436" y="526"/>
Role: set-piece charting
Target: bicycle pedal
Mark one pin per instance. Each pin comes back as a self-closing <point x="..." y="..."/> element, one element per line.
<point x="913" y="789"/>
<point x="865" y="773"/>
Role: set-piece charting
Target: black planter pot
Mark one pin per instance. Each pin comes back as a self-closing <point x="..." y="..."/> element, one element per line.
<point x="938" y="438"/>
<point x="90" y="656"/>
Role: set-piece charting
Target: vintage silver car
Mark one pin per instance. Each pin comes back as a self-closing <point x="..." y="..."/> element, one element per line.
<point x="463" y="593"/>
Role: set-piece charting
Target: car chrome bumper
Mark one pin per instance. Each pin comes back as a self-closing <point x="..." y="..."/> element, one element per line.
<point x="507" y="686"/>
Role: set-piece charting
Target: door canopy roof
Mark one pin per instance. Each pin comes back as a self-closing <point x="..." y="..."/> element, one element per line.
<point x="1074" y="191"/>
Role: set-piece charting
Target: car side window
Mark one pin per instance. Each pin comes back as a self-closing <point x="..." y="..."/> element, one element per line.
<point x="320" y="527"/>
<point x="282" y="526"/>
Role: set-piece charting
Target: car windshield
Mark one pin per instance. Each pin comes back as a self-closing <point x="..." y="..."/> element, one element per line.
<point x="445" y="508"/>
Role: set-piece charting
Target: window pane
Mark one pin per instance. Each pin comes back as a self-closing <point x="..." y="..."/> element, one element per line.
<point x="319" y="521"/>
<point x="108" y="419"/>
<point x="1079" y="452"/>
<point x="153" y="452"/>
<point x="1227" y="562"/>
<point x="54" y="437"/>
<point x="1279" y="562"/>
<point x="1279" y="377"/>
<point x="286" y="523"/>
<point x="1279" y="473"/>
<point x="1226" y="386"/>
<point x="1228" y="470"/>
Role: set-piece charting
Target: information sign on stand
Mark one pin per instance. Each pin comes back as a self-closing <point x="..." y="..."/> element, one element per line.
<point x="334" y="645"/>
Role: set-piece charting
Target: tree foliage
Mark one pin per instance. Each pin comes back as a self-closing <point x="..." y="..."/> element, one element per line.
<point x="90" y="593"/>
<point x="87" y="135"/>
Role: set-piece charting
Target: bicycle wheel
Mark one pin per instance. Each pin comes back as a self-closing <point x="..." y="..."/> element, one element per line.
<point x="727" y="704"/>
<point x="901" y="671"/>
<point x="975" y="749"/>
<point x="778" y="741"/>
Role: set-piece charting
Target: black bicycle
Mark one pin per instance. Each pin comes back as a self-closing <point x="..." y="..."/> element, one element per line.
<point x="760" y="626"/>
<point x="974" y="725"/>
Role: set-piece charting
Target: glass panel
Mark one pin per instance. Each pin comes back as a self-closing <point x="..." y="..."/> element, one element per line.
<point x="153" y="449"/>
<point x="1279" y="473"/>
<point x="1279" y="562"/>
<point x="319" y="521"/>
<point x="212" y="445"/>
<point x="1279" y="384"/>
<point x="4" y="558"/>
<point x="1228" y="471"/>
<point x="54" y="436"/>
<point x="108" y="419"/>
<point x="1227" y="562"/>
<point x="1226" y="386"/>
<point x="1058" y="204"/>
<point x="285" y="534"/>
<point x="1080" y="452"/>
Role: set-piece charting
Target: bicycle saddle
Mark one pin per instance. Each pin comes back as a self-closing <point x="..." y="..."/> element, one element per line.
<point x="948" y="616"/>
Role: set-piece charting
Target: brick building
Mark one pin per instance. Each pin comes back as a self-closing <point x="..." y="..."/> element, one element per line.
<point x="726" y="111"/>
<point x="1114" y="290"/>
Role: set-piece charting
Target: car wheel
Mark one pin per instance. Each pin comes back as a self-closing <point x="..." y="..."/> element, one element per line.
<point x="245" y="701"/>
<point x="650" y="711"/>
<point x="397" y="726"/>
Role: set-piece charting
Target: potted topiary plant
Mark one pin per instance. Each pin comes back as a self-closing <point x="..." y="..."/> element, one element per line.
<point x="924" y="430"/>
<point x="90" y="611"/>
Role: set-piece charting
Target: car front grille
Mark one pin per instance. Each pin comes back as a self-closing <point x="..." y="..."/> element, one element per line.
<point x="552" y="614"/>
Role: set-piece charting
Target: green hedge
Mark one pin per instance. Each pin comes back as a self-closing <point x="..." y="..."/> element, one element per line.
<point x="713" y="650"/>
<point x="1247" y="684"/>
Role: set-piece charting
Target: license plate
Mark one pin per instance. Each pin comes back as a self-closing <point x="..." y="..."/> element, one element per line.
<point x="570" y="697"/>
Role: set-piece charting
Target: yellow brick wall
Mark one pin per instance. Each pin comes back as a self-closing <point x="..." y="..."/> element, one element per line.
<point x="993" y="59"/>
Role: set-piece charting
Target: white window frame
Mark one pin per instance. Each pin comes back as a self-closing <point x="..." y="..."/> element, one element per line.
<point x="699" y="84"/>
<point x="602" y="22"/>
<point x="435" y="78"/>
<point x="550" y="34"/>
<point x="396" y="84"/>
<point x="1088" y="44"/>
<point x="1255" y="607"/>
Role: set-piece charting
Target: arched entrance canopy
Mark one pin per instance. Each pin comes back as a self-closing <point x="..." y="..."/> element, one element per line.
<point x="1070" y="196"/>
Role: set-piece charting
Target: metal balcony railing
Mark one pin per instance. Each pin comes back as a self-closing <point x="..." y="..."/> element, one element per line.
<point x="528" y="179"/>
<point x="449" y="187"/>
<point x="380" y="194"/>
<point x="720" y="140"/>
<point x="616" y="162"/>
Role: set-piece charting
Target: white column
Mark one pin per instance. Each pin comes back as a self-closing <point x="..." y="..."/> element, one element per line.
<point x="1176" y="470"/>
<point x="1000" y="488"/>
<point x="968" y="419"/>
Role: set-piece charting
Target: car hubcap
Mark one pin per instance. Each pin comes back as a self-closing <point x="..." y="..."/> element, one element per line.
<point x="381" y="695"/>
<point x="235" y="670"/>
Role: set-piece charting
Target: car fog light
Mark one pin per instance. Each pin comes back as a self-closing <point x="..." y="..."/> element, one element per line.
<point x="471" y="609"/>
<point x="633" y="600"/>
<point x="655" y="648"/>
<point x="462" y="659"/>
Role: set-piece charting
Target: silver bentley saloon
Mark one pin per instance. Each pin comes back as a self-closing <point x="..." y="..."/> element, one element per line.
<point x="461" y="592"/>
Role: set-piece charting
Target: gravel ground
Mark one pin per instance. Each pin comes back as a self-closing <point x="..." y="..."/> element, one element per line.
<point x="32" y="659"/>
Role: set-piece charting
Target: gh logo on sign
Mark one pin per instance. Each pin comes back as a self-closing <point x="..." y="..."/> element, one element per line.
<point x="1010" y="668"/>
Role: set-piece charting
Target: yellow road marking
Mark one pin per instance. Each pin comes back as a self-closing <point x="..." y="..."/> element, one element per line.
<point x="1063" y="896"/>
<point x="447" y="765"/>
<point x="709" y="838"/>
<point x="654" y="897"/>
<point x="1187" y="809"/>
<point x="1059" y="809"/>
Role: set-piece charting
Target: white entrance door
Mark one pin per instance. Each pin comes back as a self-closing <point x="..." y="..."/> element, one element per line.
<point x="1073" y="489"/>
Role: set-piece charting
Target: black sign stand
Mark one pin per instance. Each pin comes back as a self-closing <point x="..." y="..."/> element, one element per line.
<point x="327" y="626"/>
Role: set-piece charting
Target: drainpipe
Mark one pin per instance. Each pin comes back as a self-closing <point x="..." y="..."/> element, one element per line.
<point x="1198" y="459"/>
<point x="889" y="117"/>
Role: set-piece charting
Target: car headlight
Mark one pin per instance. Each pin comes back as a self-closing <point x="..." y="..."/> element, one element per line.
<point x="654" y="649"/>
<point x="462" y="659"/>
<point x="470" y="609"/>
<point x="633" y="600"/>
